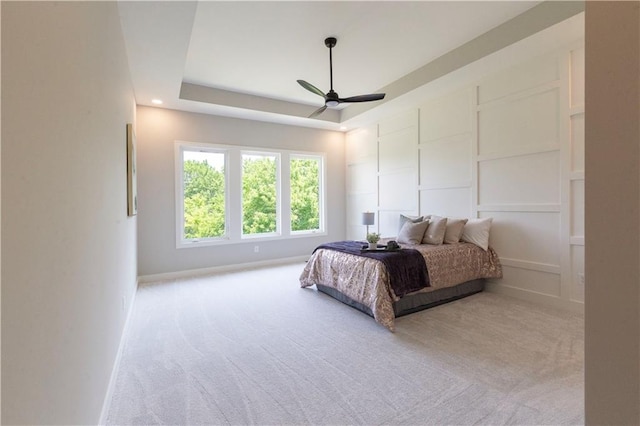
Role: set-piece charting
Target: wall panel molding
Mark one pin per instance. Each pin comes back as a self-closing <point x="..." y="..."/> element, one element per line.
<point x="445" y="185"/>
<point x="398" y="169"/>
<point x="510" y="147"/>
<point x="523" y="94"/>
<point x="577" y="175"/>
<point x="535" y="297"/>
<point x="522" y="152"/>
<point x="576" y="110"/>
<point x="577" y="241"/>
<point x="526" y="208"/>
<point x="444" y="139"/>
<point x="532" y="266"/>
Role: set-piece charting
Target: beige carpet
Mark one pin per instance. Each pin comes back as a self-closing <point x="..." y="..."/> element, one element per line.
<point x="254" y="348"/>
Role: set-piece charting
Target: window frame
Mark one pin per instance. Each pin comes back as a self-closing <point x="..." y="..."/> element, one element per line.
<point x="181" y="147"/>
<point x="321" y="193"/>
<point x="233" y="194"/>
<point x="278" y="157"/>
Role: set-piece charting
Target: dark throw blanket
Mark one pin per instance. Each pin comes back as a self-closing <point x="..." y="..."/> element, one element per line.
<point x="406" y="268"/>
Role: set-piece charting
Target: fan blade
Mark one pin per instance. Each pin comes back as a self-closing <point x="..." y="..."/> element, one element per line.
<point x="363" y="98"/>
<point x="310" y="87"/>
<point x="318" y="111"/>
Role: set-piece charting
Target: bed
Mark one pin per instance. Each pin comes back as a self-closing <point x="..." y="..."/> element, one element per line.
<point x="454" y="271"/>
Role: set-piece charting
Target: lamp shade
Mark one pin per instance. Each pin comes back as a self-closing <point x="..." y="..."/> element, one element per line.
<point x="368" y="218"/>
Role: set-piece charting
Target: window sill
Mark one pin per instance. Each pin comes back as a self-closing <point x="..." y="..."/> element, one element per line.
<point x="249" y="239"/>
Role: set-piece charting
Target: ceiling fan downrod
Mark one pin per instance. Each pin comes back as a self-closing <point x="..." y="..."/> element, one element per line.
<point x="330" y="42"/>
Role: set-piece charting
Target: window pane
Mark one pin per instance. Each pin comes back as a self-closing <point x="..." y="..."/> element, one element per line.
<point x="305" y="194"/>
<point x="259" y="194"/>
<point x="204" y="197"/>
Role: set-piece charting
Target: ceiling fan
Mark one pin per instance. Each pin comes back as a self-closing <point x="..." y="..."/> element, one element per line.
<point x="332" y="99"/>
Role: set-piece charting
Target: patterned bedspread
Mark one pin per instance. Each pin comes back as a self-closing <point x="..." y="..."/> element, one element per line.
<point x="406" y="268"/>
<point x="366" y="281"/>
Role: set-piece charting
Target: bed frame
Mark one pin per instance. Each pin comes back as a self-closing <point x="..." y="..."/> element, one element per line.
<point x="414" y="302"/>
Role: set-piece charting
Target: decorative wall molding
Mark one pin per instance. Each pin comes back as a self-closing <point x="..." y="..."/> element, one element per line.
<point x="444" y="139"/>
<point x="527" y="208"/>
<point x="530" y="137"/>
<point x="576" y="110"/>
<point x="532" y="266"/>
<point x="577" y="175"/>
<point x="552" y="147"/>
<point x="577" y="241"/>
<point x="519" y="95"/>
<point x="444" y="185"/>
<point x="535" y="297"/>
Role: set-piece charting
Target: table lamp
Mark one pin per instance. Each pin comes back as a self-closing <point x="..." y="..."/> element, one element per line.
<point x="368" y="218"/>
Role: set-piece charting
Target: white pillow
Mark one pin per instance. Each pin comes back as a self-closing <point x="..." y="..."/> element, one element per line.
<point x="436" y="230"/>
<point x="476" y="231"/>
<point x="411" y="233"/>
<point x="454" y="230"/>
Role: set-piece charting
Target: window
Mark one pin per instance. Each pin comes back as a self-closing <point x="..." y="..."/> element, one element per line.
<point x="203" y="192"/>
<point x="305" y="183"/>
<point x="259" y="193"/>
<point x="227" y="194"/>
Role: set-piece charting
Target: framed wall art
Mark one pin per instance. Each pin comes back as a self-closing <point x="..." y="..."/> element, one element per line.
<point x="132" y="190"/>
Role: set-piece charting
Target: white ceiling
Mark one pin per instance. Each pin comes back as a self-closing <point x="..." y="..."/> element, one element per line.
<point x="242" y="59"/>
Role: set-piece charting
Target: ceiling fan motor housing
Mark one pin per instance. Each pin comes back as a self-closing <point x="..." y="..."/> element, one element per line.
<point x="331" y="99"/>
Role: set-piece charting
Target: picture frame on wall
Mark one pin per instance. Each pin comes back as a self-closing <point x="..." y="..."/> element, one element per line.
<point x="132" y="190"/>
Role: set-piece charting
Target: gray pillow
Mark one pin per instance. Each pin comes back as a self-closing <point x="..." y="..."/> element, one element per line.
<point x="405" y="218"/>
<point x="412" y="233"/>
<point x="454" y="230"/>
<point x="436" y="230"/>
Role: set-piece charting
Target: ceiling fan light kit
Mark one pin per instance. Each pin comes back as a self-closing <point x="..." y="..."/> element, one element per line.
<point x="331" y="98"/>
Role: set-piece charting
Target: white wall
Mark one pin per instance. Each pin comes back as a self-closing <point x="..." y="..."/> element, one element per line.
<point x="612" y="306"/>
<point x="382" y="174"/>
<point x="69" y="249"/>
<point x="509" y="146"/>
<point x="361" y="161"/>
<point x="157" y="131"/>
<point x="397" y="170"/>
<point x="446" y="154"/>
<point x="530" y="174"/>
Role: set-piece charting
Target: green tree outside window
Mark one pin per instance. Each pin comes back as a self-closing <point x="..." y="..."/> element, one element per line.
<point x="305" y="197"/>
<point x="204" y="200"/>
<point x="204" y="195"/>
<point x="259" y="196"/>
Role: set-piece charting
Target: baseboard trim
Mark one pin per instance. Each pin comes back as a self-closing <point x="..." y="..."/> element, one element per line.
<point x="146" y="279"/>
<point x="106" y="405"/>
<point x="534" y="297"/>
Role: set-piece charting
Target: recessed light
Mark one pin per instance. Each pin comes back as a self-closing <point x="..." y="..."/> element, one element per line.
<point x="156" y="101"/>
<point x="343" y="127"/>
